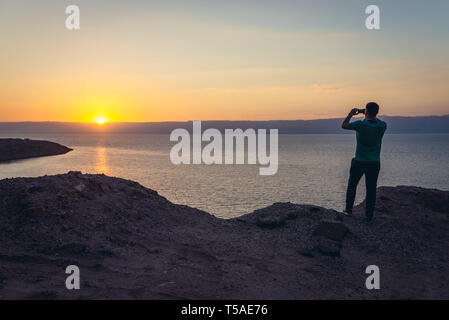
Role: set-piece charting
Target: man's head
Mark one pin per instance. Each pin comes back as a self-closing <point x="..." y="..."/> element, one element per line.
<point x="372" y="109"/>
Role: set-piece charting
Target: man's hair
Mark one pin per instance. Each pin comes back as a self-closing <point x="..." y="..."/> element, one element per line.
<point x="372" y="109"/>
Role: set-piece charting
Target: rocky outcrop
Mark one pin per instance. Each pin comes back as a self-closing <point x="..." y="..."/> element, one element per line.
<point x="131" y="243"/>
<point x="16" y="149"/>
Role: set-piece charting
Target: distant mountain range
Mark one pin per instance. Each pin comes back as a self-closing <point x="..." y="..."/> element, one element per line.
<point x="427" y="124"/>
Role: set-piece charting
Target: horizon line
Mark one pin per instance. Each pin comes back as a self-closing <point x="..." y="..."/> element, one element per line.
<point x="225" y="120"/>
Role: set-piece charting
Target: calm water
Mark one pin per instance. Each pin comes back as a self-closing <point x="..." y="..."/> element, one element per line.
<point x="312" y="169"/>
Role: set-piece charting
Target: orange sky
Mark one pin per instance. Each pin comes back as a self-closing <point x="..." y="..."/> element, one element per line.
<point x="139" y="63"/>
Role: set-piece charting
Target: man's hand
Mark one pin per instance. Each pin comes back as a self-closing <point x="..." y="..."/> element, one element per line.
<point x="345" y="124"/>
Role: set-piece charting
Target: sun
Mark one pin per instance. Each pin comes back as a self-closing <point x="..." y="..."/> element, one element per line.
<point x="100" y="120"/>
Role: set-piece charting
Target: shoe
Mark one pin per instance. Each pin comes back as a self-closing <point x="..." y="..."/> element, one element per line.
<point x="347" y="212"/>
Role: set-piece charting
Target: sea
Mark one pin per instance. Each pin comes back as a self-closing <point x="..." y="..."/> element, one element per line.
<point x="313" y="168"/>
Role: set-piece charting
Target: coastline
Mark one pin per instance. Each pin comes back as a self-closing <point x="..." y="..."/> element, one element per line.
<point x="12" y="149"/>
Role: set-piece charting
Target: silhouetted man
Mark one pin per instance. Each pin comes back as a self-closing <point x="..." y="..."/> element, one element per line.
<point x="370" y="132"/>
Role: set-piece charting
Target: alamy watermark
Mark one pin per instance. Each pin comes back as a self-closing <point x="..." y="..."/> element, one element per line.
<point x="373" y="280"/>
<point x="372" y="21"/>
<point x="72" y="22"/>
<point x="72" y="282"/>
<point x="185" y="152"/>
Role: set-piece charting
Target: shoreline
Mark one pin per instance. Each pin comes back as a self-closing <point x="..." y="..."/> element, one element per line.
<point x="12" y="149"/>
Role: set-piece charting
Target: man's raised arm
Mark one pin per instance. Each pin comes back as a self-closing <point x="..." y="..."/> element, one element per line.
<point x="345" y="124"/>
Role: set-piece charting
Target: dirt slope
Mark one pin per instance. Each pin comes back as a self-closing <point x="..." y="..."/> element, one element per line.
<point x="131" y="243"/>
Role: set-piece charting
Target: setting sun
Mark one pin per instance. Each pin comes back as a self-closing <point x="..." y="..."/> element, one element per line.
<point x="100" y="120"/>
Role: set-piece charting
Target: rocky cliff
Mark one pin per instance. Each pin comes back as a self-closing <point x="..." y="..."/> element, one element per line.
<point x="131" y="243"/>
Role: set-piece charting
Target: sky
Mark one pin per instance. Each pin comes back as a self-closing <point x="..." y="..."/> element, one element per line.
<point x="221" y="60"/>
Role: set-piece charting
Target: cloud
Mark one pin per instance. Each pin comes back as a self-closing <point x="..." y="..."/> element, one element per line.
<point x="324" y="87"/>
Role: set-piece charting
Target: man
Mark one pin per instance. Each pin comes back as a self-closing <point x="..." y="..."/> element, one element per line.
<point x="370" y="132"/>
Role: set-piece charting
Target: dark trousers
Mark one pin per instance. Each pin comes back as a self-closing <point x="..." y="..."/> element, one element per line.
<point x="371" y="171"/>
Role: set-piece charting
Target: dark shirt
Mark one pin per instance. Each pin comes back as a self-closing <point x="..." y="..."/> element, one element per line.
<point x="369" y="138"/>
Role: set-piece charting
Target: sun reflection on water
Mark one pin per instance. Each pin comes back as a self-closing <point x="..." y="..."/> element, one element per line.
<point x="101" y="163"/>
